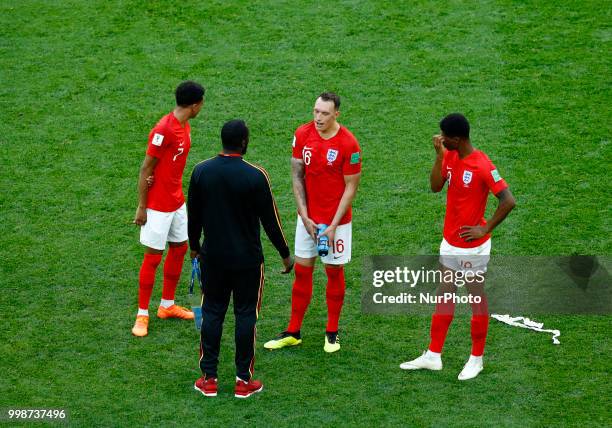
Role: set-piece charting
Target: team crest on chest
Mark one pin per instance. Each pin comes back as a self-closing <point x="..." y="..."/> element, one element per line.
<point x="467" y="177"/>
<point x="332" y="155"/>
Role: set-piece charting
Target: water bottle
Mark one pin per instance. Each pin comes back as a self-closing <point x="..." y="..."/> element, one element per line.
<point x="197" y="313"/>
<point x="196" y="299"/>
<point x="323" y="242"/>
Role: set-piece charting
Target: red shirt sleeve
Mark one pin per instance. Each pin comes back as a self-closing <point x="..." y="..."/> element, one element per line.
<point x="492" y="178"/>
<point x="298" y="143"/>
<point x="443" y="172"/>
<point x="352" y="158"/>
<point x="158" y="142"/>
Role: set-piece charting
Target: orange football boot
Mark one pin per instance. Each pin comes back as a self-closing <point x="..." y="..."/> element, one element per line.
<point x="141" y="326"/>
<point x="175" y="311"/>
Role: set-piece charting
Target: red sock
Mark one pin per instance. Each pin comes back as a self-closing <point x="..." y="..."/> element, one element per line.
<point x="172" y="270"/>
<point x="440" y="321"/>
<point x="480" y="326"/>
<point x="300" y="296"/>
<point x="334" y="295"/>
<point x="147" y="279"/>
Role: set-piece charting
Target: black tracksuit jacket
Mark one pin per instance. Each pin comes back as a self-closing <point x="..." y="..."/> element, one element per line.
<point x="228" y="198"/>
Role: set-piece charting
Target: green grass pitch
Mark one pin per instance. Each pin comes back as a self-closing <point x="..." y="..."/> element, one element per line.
<point x="83" y="82"/>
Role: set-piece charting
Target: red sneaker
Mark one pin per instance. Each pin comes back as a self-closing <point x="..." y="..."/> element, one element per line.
<point x="246" y="389"/>
<point x="207" y="386"/>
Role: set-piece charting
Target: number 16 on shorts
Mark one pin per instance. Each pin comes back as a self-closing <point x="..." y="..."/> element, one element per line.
<point x="337" y="246"/>
<point x="340" y="247"/>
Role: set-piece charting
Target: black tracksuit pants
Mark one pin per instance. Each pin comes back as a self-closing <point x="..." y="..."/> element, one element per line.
<point x="218" y="284"/>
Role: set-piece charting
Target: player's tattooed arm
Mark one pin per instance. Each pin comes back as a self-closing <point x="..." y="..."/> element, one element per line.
<point x="506" y="204"/>
<point x="436" y="179"/>
<point x="299" y="191"/>
<point x="299" y="188"/>
<point x="146" y="170"/>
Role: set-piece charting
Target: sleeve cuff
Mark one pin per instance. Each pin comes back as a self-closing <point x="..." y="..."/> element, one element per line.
<point x="284" y="252"/>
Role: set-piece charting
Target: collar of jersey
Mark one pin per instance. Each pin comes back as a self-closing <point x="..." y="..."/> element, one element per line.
<point x="230" y="155"/>
<point x="177" y="122"/>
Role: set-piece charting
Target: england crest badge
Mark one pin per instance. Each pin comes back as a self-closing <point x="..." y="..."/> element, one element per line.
<point x="467" y="177"/>
<point x="332" y="155"/>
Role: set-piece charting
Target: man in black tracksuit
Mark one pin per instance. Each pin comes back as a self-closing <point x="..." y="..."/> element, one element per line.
<point x="228" y="198"/>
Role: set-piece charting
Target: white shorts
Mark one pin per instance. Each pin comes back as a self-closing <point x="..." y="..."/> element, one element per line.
<point x="162" y="227"/>
<point x="339" y="250"/>
<point x="465" y="259"/>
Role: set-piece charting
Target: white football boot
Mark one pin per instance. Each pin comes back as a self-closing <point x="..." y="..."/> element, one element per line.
<point x="471" y="369"/>
<point x="429" y="360"/>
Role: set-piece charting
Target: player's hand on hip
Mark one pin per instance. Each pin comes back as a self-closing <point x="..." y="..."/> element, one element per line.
<point x="141" y="216"/>
<point x="311" y="227"/>
<point x="330" y="232"/>
<point x="438" y="145"/>
<point x="150" y="180"/>
<point x="471" y="233"/>
<point x="288" y="264"/>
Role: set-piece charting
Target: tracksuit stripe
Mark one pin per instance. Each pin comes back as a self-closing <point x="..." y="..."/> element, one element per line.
<point x="257" y="308"/>
<point x="278" y="220"/>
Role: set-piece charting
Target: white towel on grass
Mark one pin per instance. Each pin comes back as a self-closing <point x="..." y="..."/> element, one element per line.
<point x="527" y="323"/>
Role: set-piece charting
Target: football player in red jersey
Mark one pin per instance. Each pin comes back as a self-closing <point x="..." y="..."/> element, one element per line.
<point x="161" y="212"/>
<point x="466" y="245"/>
<point x="326" y="167"/>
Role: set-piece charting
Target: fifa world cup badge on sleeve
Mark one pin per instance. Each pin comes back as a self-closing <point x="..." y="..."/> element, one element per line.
<point x="157" y="140"/>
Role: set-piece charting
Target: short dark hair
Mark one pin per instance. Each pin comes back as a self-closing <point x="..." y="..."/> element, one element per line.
<point x="233" y="134"/>
<point x="455" y="125"/>
<point x="330" y="96"/>
<point x="188" y="93"/>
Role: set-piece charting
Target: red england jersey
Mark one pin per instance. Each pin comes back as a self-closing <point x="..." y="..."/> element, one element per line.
<point x="469" y="181"/>
<point x="326" y="162"/>
<point x="169" y="142"/>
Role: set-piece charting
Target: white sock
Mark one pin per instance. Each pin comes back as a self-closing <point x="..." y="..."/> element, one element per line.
<point x="166" y="303"/>
<point x="433" y="355"/>
<point x="241" y="380"/>
<point x="475" y="359"/>
<point x="144" y="312"/>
